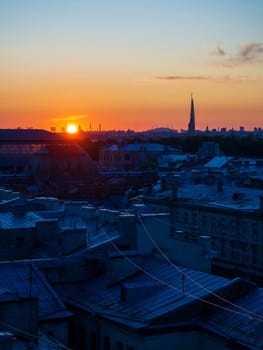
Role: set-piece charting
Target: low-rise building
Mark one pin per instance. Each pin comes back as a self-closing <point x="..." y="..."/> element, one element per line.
<point x="230" y="215"/>
<point x="139" y="302"/>
<point x="132" y="156"/>
<point x="29" y="305"/>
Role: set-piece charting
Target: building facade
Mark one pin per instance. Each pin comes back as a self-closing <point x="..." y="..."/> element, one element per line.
<point x="235" y="226"/>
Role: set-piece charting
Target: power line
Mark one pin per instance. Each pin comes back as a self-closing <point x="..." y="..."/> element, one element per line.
<point x="190" y="278"/>
<point x="33" y="336"/>
<point x="249" y="316"/>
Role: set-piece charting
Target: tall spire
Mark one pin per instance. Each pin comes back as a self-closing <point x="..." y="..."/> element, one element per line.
<point x="191" y="124"/>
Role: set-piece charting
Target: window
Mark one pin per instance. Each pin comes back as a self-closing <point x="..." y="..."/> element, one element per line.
<point x="176" y="216"/>
<point x="93" y="340"/>
<point x="222" y="226"/>
<point x="119" y="346"/>
<point x="106" y="343"/>
<point x="82" y="338"/>
<point x="213" y="225"/>
<point x="203" y="220"/>
<point x="223" y="248"/>
<point x="195" y="219"/>
<point x="231" y="227"/>
<point x="243" y="230"/>
<point x="234" y="253"/>
<point x="254" y="231"/>
<point x="254" y="255"/>
<point x="186" y="218"/>
<point x="20" y="242"/>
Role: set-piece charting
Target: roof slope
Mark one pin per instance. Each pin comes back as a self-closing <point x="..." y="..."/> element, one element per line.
<point x="26" y="280"/>
<point x="156" y="290"/>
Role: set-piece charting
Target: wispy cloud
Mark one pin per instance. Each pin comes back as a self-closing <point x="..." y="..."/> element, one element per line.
<point x="70" y="118"/>
<point x="182" y="77"/>
<point x="247" y="53"/>
<point x="250" y="52"/>
<point x="216" y="79"/>
<point x="218" y="51"/>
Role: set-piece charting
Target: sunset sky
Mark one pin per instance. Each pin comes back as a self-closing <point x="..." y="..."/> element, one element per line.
<point x="131" y="64"/>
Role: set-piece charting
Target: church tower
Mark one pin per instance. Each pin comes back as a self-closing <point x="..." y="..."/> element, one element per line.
<point x="191" y="124"/>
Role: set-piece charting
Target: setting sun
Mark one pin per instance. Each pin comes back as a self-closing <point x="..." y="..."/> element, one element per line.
<point x="72" y="129"/>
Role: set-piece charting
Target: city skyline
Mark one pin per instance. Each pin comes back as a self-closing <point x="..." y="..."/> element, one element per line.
<point x="131" y="65"/>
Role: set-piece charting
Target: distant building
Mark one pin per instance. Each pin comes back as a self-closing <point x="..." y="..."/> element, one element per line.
<point x="18" y="145"/>
<point x="135" y="156"/>
<point x="209" y="150"/>
<point x="60" y="163"/>
<point x="191" y="124"/>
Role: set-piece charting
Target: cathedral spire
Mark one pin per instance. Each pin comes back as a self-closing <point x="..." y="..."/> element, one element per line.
<point x="191" y="124"/>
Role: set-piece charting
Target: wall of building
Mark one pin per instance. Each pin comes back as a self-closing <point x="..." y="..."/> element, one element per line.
<point x="21" y="314"/>
<point x="153" y="228"/>
<point x="17" y="242"/>
<point x="71" y="240"/>
<point x="100" y="334"/>
<point x="156" y="234"/>
<point x="57" y="329"/>
<point x="236" y="235"/>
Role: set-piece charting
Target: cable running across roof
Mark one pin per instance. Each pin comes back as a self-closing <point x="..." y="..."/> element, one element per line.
<point x="255" y="316"/>
<point x="33" y="336"/>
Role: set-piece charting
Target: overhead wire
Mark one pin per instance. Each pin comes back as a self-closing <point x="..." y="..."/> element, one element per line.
<point x="190" y="278"/>
<point x="179" y="289"/>
<point x="33" y="336"/>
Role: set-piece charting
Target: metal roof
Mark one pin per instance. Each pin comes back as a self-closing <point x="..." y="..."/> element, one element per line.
<point x="12" y="221"/>
<point x="105" y="299"/>
<point x="237" y="326"/>
<point x="205" y="195"/>
<point x="21" y="277"/>
<point x="218" y="162"/>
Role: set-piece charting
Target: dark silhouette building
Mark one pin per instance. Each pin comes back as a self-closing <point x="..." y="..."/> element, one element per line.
<point x="191" y="124"/>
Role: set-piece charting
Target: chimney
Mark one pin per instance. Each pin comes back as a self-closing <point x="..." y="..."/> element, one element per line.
<point x="164" y="184"/>
<point x="261" y="202"/>
<point x="173" y="181"/>
<point x="120" y="266"/>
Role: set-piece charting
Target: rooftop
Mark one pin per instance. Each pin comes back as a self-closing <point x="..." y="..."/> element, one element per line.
<point x="230" y="196"/>
<point x="11" y="221"/>
<point x="25" y="280"/>
<point x="237" y="326"/>
<point x="138" y="147"/>
<point x="165" y="292"/>
<point x="218" y="162"/>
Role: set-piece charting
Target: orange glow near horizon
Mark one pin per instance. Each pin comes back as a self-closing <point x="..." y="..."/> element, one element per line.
<point x="118" y="66"/>
<point x="137" y="105"/>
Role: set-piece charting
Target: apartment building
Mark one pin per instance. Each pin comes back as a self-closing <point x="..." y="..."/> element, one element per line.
<point x="232" y="216"/>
